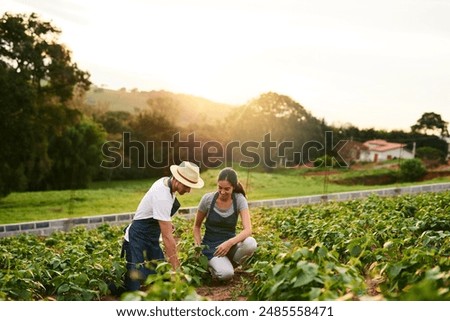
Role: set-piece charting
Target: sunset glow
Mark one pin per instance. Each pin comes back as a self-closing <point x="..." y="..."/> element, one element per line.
<point x="372" y="64"/>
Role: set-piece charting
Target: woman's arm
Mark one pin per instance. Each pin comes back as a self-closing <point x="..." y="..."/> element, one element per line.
<point x="199" y="217"/>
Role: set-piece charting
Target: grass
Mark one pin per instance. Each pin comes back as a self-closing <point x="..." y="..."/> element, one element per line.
<point x="124" y="196"/>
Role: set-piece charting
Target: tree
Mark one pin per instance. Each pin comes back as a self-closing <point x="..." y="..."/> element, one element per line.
<point x="31" y="48"/>
<point x="16" y="143"/>
<point x="37" y="82"/>
<point x="430" y="156"/>
<point x="114" y="122"/>
<point x="287" y="122"/>
<point x="431" y="122"/>
<point x="75" y="155"/>
<point x="152" y="130"/>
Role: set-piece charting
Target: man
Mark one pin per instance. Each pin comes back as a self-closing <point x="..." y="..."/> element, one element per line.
<point x="153" y="219"/>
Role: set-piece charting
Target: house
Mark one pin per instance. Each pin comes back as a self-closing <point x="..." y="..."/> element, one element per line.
<point x="352" y="151"/>
<point x="381" y="150"/>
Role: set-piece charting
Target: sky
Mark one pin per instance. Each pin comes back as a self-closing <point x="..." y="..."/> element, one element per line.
<point x="372" y="64"/>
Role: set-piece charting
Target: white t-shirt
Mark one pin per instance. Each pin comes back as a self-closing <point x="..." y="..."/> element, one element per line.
<point x="156" y="203"/>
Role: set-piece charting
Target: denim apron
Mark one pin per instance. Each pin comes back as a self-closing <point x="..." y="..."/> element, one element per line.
<point x="219" y="229"/>
<point x="143" y="246"/>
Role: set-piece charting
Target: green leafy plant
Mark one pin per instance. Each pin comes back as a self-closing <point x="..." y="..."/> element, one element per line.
<point x="394" y="248"/>
<point x="165" y="285"/>
<point x="412" y="170"/>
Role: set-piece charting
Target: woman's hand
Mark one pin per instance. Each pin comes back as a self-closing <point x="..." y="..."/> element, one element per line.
<point x="223" y="248"/>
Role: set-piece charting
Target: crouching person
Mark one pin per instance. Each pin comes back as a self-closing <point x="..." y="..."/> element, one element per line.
<point x="153" y="219"/>
<point x="220" y="211"/>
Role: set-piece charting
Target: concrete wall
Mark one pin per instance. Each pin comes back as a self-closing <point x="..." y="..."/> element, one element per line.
<point x="48" y="227"/>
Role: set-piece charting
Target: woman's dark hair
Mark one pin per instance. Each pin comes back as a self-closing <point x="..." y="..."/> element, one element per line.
<point x="230" y="175"/>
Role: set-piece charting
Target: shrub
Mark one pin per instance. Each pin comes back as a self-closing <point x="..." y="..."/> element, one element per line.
<point x="431" y="157"/>
<point x="328" y="161"/>
<point x="412" y="170"/>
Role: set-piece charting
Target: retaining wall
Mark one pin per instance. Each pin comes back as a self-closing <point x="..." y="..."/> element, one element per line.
<point x="48" y="227"/>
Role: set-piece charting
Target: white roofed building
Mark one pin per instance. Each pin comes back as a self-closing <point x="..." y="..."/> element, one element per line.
<point x="381" y="150"/>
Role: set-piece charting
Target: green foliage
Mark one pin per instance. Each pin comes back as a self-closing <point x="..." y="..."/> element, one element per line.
<point x="194" y="263"/>
<point x="306" y="274"/>
<point x="17" y="110"/>
<point x="76" y="265"/>
<point x="165" y="285"/>
<point x="430" y="156"/>
<point x="30" y="46"/>
<point x="37" y="82"/>
<point x="329" y="251"/>
<point x="277" y="118"/>
<point x="76" y="155"/>
<point x="327" y="161"/>
<point x="402" y="243"/>
<point x="430" y="122"/>
<point x="411" y="170"/>
<point x="79" y="265"/>
<point x="114" y="122"/>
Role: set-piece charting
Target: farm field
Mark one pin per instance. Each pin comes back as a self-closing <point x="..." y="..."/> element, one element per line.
<point x="124" y="196"/>
<point x="372" y="249"/>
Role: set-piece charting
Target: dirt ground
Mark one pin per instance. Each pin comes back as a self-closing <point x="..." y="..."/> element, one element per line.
<point x="224" y="291"/>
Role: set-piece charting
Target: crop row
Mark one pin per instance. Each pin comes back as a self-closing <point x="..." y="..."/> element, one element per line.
<point x="376" y="248"/>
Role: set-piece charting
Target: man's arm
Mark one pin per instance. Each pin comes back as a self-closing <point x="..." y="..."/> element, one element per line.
<point x="169" y="243"/>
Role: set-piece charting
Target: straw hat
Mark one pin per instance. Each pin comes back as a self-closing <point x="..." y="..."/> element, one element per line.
<point x="188" y="174"/>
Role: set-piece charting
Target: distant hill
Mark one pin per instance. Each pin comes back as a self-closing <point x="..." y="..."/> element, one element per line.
<point x="183" y="109"/>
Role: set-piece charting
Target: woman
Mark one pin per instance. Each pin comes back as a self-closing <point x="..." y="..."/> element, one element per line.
<point x="224" y="248"/>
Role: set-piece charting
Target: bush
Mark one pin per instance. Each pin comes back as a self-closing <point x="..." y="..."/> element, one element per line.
<point x="431" y="157"/>
<point x="328" y="161"/>
<point x="412" y="170"/>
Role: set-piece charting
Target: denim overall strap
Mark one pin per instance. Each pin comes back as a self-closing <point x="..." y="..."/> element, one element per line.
<point x="216" y="196"/>
<point x="218" y="228"/>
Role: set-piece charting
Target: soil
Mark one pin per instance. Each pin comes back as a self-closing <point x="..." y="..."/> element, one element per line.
<point x="225" y="291"/>
<point x="382" y="179"/>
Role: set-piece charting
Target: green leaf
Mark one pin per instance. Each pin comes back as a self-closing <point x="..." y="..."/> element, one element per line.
<point x="277" y="268"/>
<point x="63" y="288"/>
<point x="314" y="293"/>
<point x="393" y="270"/>
<point x="203" y="260"/>
<point x="355" y="250"/>
<point x="308" y="272"/>
<point x="303" y="279"/>
<point x="274" y="288"/>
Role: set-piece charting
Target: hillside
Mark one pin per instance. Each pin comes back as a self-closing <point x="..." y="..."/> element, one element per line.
<point x="184" y="109"/>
